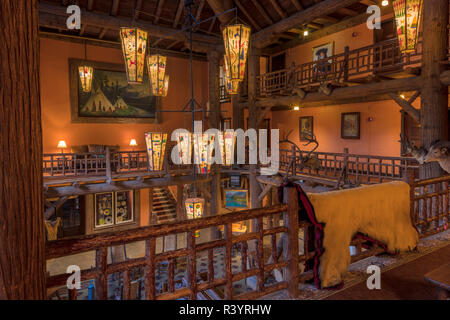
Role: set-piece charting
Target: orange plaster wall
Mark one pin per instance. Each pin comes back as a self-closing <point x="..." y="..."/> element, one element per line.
<point x="55" y="98"/>
<point x="378" y="137"/>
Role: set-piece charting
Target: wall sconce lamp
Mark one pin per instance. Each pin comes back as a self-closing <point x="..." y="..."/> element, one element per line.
<point x="385" y="3"/>
<point x="296" y="108"/>
<point x="62" y="145"/>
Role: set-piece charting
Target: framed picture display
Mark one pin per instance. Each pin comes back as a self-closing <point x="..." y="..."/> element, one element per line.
<point x="351" y="125"/>
<point x="306" y="127"/>
<point x="319" y="54"/>
<point x="104" y="209"/>
<point x="124" y="206"/>
<point x="113" y="208"/>
<point x="237" y="199"/>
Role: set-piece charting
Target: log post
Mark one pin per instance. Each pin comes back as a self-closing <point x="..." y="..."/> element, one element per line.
<point x="180" y="208"/>
<point x="22" y="234"/>
<point x="101" y="282"/>
<point x="291" y="222"/>
<point x="253" y="116"/>
<point x="410" y="179"/>
<point x="434" y="99"/>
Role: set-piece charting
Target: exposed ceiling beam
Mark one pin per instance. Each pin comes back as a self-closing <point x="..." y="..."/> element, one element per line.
<point x="297" y="5"/>
<point x="344" y="24"/>
<point x="248" y="15"/>
<point x="170" y="46"/>
<point x="158" y="11"/>
<point x="102" y="34"/>
<point x="137" y="8"/>
<point x="90" y="5"/>
<point x="219" y="6"/>
<point x="211" y="26"/>
<point x="114" y="23"/>
<point x="262" y="38"/>
<point x="115" y="7"/>
<point x="347" y="12"/>
<point x="278" y="9"/>
<point x="368" y="2"/>
<point x="178" y="14"/>
<point x="200" y="9"/>
<point x="262" y="11"/>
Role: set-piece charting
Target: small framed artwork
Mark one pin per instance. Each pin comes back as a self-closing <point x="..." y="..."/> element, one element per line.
<point x="124" y="206"/>
<point x="320" y="53"/>
<point x="104" y="210"/>
<point x="306" y="127"/>
<point x="237" y="199"/>
<point x="350" y="125"/>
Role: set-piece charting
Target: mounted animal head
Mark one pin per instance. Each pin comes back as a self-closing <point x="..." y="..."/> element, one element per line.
<point x="410" y="147"/>
<point x="438" y="151"/>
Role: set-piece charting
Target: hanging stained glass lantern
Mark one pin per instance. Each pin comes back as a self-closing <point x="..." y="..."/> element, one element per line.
<point x="236" y="40"/>
<point x="194" y="210"/>
<point x="407" y="17"/>
<point x="184" y="146"/>
<point x="156" y="148"/>
<point x="166" y="86"/>
<point x="227" y="141"/>
<point x="156" y="65"/>
<point x="86" y="76"/>
<point x="134" y="47"/>
<point x="232" y="87"/>
<point x="203" y="151"/>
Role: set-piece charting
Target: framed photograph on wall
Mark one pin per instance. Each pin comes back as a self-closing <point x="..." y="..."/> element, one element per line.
<point x="351" y="125"/>
<point x="306" y="127"/>
<point x="236" y="199"/>
<point x="319" y="54"/>
<point x="112" y="99"/>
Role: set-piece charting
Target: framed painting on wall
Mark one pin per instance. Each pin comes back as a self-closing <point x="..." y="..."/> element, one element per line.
<point x="237" y="199"/>
<point x="350" y="125"/>
<point x="104" y="209"/>
<point x="124" y="206"/>
<point x="112" y="99"/>
<point x="306" y="127"/>
<point x="322" y="52"/>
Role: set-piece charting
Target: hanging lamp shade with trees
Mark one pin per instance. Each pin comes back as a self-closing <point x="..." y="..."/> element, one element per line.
<point x="227" y="141"/>
<point x="203" y="151"/>
<point x="166" y="86"/>
<point x="156" y="65"/>
<point x="86" y="77"/>
<point x="184" y="147"/>
<point x="407" y="15"/>
<point x="156" y="148"/>
<point x="134" y="47"/>
<point x="236" y="40"/>
<point x="231" y="86"/>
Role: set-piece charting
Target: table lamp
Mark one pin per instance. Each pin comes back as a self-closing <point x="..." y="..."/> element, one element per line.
<point x="62" y="145"/>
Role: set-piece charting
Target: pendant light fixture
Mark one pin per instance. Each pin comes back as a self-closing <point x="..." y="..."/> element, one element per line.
<point x="236" y="39"/>
<point x="156" y="65"/>
<point x="407" y="15"/>
<point x="86" y="73"/>
<point x="134" y="47"/>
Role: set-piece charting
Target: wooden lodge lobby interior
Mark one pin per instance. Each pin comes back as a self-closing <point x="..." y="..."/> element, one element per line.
<point x="224" y="150"/>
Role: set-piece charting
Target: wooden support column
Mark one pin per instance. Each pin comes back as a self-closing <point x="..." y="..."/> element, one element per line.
<point x="22" y="234"/>
<point x="434" y="99"/>
<point x="180" y="207"/>
<point x="214" y="122"/>
<point x="151" y="216"/>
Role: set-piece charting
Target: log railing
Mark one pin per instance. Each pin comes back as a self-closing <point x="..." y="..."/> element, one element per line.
<point x="195" y="285"/>
<point x="430" y="204"/>
<point x="356" y="168"/>
<point x="107" y="164"/>
<point x="351" y="65"/>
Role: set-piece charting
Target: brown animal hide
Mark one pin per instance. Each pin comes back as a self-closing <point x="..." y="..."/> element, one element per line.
<point x="379" y="211"/>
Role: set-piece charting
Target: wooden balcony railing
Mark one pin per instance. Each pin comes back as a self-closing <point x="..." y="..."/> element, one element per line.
<point x="192" y="249"/>
<point x="107" y="164"/>
<point x="351" y="65"/>
<point x="359" y="169"/>
<point x="429" y="212"/>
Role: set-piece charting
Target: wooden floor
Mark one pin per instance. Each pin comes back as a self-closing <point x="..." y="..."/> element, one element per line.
<point x="405" y="282"/>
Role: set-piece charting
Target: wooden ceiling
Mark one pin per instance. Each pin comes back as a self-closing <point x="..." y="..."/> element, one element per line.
<point x="102" y="18"/>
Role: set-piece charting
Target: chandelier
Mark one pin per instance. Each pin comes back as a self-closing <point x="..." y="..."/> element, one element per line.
<point x="156" y="65"/>
<point x="407" y="17"/>
<point x="156" y="148"/>
<point x="236" y="40"/>
<point x="194" y="210"/>
<point x="134" y="46"/>
<point x="86" y="76"/>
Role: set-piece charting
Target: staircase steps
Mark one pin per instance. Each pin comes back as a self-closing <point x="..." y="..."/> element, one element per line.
<point x="164" y="207"/>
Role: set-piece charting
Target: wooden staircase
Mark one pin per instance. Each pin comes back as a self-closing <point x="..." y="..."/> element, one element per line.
<point x="164" y="206"/>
